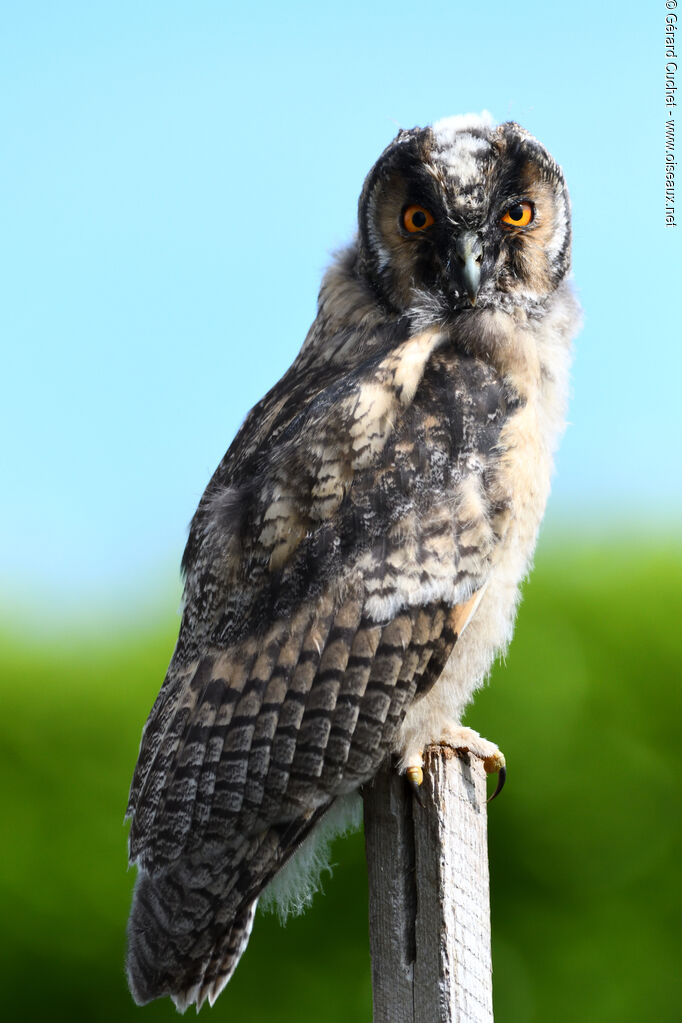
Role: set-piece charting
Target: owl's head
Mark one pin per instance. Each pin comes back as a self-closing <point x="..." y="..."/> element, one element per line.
<point x="467" y="213"/>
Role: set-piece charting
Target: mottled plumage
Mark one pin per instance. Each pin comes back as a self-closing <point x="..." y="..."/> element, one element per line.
<point x="353" y="567"/>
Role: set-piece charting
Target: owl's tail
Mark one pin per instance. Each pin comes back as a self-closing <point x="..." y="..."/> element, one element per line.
<point x="173" y="951"/>
<point x="190" y="922"/>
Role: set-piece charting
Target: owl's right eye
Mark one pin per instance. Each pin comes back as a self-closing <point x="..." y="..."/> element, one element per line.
<point x="416" y="218"/>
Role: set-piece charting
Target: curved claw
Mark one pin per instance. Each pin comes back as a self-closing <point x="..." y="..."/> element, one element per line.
<point x="501" y="779"/>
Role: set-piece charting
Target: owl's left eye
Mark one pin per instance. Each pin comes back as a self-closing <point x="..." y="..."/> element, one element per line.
<point x="416" y="218"/>
<point x="519" y="214"/>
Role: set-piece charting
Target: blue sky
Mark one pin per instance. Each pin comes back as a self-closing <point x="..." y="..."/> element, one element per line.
<point x="173" y="179"/>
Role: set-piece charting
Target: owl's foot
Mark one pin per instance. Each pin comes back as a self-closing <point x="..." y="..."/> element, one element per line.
<point x="466" y="740"/>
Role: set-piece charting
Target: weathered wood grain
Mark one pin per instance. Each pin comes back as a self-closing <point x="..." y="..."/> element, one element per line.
<point x="429" y="893"/>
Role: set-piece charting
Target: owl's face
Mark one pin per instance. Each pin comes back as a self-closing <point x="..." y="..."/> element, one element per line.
<point x="466" y="213"/>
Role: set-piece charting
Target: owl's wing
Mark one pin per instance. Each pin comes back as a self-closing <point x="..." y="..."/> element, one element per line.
<point x="348" y="571"/>
<point x="330" y="572"/>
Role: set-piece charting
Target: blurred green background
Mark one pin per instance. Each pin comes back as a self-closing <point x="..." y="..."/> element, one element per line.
<point x="584" y="842"/>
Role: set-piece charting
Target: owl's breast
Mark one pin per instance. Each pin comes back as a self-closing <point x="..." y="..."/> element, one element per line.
<point x="529" y="437"/>
<point x="519" y="478"/>
<point x="522" y="478"/>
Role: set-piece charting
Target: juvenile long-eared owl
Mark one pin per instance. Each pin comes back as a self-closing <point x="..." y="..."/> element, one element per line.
<point x="353" y="567"/>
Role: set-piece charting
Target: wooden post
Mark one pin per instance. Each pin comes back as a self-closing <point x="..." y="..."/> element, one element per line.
<point x="429" y="900"/>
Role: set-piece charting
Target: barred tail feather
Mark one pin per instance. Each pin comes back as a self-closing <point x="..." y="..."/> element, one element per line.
<point x="190" y="923"/>
<point x="226" y="956"/>
<point x="184" y="941"/>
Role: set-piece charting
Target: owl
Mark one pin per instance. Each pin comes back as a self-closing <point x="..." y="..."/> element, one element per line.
<point x="353" y="567"/>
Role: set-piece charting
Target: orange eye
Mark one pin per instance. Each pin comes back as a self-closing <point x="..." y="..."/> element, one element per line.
<point x="416" y="218"/>
<point x="518" y="215"/>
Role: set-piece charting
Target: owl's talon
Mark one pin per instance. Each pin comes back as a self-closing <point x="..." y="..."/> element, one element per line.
<point x="416" y="791"/>
<point x="414" y="774"/>
<point x="496" y="764"/>
<point x="501" y="779"/>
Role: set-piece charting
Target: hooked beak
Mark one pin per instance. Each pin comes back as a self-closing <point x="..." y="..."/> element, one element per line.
<point x="469" y="254"/>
